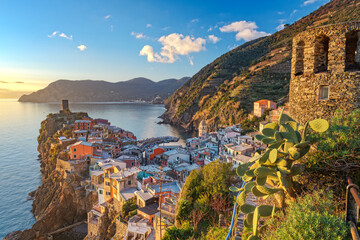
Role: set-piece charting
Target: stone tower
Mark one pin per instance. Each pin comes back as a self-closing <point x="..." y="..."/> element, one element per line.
<point x="325" y="71"/>
<point x="202" y="128"/>
<point x="65" y="105"/>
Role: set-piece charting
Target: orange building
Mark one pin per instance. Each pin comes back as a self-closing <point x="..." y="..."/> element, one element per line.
<point x="83" y="124"/>
<point x="261" y="105"/>
<point x="274" y="114"/>
<point x="155" y="152"/>
<point x="81" y="150"/>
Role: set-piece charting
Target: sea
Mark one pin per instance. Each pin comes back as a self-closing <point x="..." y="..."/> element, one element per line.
<point x="19" y="158"/>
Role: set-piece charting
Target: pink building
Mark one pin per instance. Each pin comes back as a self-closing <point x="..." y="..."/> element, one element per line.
<point x="261" y="105"/>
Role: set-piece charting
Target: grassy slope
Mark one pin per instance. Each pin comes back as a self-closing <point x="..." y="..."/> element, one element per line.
<point x="223" y="91"/>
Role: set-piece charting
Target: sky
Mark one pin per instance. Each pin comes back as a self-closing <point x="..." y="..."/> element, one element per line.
<point x="42" y="41"/>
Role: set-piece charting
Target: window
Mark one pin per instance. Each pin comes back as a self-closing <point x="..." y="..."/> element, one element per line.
<point x="324" y="92"/>
<point x="107" y="183"/>
<point x="321" y="53"/>
<point x="108" y="193"/>
<point x="352" y="51"/>
<point x="100" y="191"/>
<point x="299" y="65"/>
<point x="132" y="164"/>
<point x="129" y="182"/>
<point x="74" y="155"/>
<point x="74" y="149"/>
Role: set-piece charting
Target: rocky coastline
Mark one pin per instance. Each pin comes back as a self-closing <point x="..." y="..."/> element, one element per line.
<point x="60" y="200"/>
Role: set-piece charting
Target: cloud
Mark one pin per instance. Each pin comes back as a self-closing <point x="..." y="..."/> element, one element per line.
<point x="307" y="2"/>
<point x="148" y="25"/>
<point x="107" y="16"/>
<point x="281" y="25"/>
<point x="63" y="35"/>
<point x="165" y="28"/>
<point x="195" y="20"/>
<point x="9" y="82"/>
<point x="82" y="47"/>
<point x="174" y="45"/>
<point x="213" y="38"/>
<point x="138" y="35"/>
<point x="245" y="30"/>
<point x="280" y="13"/>
<point x="293" y="12"/>
<point x="210" y="29"/>
<point x="53" y="34"/>
<point x="111" y="28"/>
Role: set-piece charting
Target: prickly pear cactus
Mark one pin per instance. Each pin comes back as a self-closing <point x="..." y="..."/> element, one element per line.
<point x="272" y="171"/>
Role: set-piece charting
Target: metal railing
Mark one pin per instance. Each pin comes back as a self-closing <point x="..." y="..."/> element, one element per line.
<point x="352" y="208"/>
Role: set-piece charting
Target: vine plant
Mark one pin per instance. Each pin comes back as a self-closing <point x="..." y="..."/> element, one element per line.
<point x="272" y="172"/>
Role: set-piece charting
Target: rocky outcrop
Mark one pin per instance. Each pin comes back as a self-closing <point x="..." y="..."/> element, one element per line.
<point x="223" y="91"/>
<point x="61" y="200"/>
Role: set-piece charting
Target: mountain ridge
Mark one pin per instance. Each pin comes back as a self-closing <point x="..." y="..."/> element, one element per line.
<point x="102" y="91"/>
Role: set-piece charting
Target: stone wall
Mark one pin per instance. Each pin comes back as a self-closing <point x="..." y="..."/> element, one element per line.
<point x="121" y="229"/>
<point x="324" y="58"/>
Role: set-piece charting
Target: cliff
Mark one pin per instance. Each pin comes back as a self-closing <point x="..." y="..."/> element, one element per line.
<point x="223" y="92"/>
<point x="102" y="91"/>
<point x="60" y="200"/>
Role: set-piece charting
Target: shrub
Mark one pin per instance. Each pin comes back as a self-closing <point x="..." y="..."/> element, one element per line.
<point x="310" y="217"/>
<point x="216" y="233"/>
<point x="201" y="189"/>
<point x="185" y="232"/>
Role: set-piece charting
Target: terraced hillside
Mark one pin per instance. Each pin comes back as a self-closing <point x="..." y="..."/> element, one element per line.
<point x="223" y="91"/>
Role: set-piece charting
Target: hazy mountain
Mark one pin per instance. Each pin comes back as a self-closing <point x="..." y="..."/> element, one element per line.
<point x="102" y="91"/>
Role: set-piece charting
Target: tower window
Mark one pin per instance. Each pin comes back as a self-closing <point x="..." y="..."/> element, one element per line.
<point x="299" y="65"/>
<point x="324" y="92"/>
<point x="321" y="53"/>
<point x="352" y="51"/>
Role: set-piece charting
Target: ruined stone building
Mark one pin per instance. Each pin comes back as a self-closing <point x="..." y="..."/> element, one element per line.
<point x="325" y="71"/>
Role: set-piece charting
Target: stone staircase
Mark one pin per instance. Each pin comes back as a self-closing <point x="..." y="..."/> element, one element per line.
<point x="252" y="200"/>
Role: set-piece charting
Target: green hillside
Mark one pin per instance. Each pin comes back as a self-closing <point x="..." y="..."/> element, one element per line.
<point x="223" y="91"/>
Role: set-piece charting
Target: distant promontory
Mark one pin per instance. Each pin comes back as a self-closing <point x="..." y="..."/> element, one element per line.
<point x="102" y="91"/>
